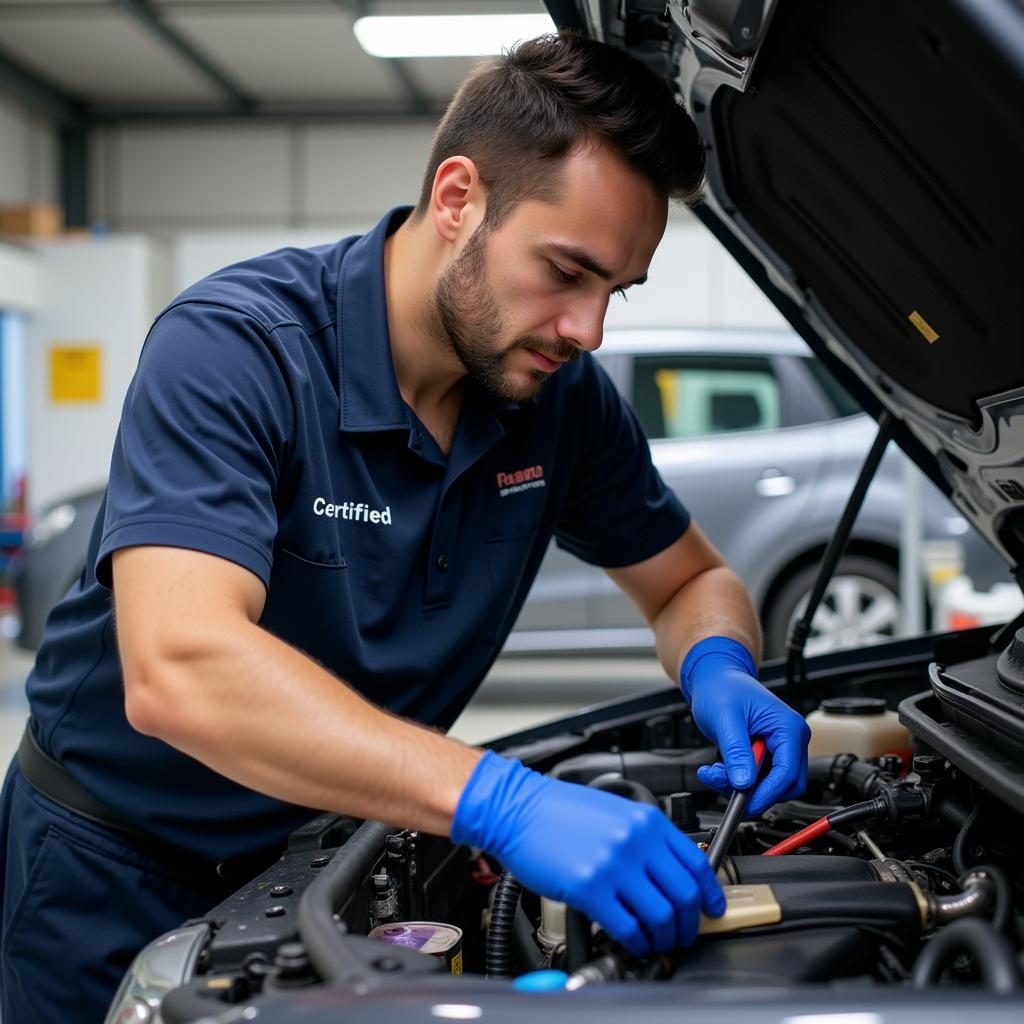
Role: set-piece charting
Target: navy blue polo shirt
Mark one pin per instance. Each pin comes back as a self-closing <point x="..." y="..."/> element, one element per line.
<point x="264" y="425"/>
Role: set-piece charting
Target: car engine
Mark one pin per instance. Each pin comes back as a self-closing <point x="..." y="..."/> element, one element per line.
<point x="900" y="869"/>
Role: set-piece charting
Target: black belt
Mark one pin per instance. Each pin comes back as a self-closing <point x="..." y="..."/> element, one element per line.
<point x="58" y="785"/>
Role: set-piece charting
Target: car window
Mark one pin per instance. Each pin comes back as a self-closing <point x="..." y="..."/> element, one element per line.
<point x="694" y="396"/>
<point x="840" y="398"/>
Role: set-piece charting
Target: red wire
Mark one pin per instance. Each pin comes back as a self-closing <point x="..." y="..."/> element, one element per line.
<point x="801" y="838"/>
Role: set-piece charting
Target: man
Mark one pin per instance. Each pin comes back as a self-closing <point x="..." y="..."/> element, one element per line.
<point x="335" y="476"/>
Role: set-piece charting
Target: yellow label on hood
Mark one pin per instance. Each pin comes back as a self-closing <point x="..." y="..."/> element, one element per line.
<point x="924" y="327"/>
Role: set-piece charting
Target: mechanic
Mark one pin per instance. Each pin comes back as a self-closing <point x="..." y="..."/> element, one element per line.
<point x="334" y="478"/>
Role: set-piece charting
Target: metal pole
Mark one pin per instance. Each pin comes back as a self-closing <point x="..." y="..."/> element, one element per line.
<point x="911" y="547"/>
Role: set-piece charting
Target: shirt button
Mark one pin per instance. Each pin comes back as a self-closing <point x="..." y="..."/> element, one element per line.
<point x="442" y="563"/>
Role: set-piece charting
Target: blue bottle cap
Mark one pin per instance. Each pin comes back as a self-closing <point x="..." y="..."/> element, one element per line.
<point x="541" y="981"/>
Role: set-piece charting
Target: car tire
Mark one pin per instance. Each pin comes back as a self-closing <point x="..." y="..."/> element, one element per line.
<point x="861" y="606"/>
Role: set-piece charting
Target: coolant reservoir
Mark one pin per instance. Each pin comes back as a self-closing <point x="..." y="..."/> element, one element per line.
<point x="857" y="725"/>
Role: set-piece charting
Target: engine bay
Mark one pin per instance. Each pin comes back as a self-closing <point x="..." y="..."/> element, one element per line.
<point x="901" y="869"/>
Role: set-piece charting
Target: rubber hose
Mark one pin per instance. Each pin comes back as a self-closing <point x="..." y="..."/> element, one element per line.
<point x="612" y="782"/>
<point x="992" y="954"/>
<point x="861" y="778"/>
<point x="819" y="771"/>
<point x="960" y="843"/>
<point x="499" y="934"/>
<point x="1005" y="912"/>
<point x="331" y="956"/>
<point x="847" y="771"/>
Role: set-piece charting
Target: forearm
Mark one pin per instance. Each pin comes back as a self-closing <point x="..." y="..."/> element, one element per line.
<point x="260" y="712"/>
<point x="712" y="603"/>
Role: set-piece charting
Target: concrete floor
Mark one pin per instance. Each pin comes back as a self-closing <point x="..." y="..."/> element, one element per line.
<point x="518" y="693"/>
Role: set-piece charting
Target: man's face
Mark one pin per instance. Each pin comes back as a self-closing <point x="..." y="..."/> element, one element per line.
<point x="522" y="299"/>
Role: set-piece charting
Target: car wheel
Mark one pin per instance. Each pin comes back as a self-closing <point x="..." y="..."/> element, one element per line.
<point x="860" y="606"/>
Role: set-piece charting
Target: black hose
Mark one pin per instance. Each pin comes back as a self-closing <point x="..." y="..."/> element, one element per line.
<point x="993" y="956"/>
<point x="960" y="843"/>
<point x="612" y="782"/>
<point x="846" y="772"/>
<point x="1005" y="911"/>
<point x="864" y="811"/>
<point x="500" y="932"/>
<point x="319" y="932"/>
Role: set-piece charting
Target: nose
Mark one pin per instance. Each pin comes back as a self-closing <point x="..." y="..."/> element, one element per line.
<point x="583" y="323"/>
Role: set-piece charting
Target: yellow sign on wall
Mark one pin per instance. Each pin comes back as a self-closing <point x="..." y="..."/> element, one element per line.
<point x="75" y="373"/>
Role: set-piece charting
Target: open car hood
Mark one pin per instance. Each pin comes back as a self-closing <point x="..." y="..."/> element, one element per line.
<point x="864" y="167"/>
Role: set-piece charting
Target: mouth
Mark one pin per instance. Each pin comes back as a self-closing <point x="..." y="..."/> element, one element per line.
<point x="546" y="364"/>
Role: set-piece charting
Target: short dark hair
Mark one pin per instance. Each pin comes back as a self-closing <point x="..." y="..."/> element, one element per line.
<point x="516" y="115"/>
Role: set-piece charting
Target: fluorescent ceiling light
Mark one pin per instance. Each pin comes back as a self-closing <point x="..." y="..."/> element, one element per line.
<point x="447" y="35"/>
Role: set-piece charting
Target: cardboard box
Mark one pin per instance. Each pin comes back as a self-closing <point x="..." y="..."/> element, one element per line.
<point x="32" y="220"/>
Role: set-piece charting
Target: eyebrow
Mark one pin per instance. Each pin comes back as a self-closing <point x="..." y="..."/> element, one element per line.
<point x="588" y="262"/>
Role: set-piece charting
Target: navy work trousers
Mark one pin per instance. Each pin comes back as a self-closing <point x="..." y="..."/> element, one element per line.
<point x="79" y="901"/>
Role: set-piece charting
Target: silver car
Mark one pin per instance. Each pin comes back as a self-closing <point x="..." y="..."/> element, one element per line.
<point x="762" y="445"/>
<point x="759" y="442"/>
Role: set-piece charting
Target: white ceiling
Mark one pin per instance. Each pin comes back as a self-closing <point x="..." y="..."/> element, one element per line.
<point x="289" y="55"/>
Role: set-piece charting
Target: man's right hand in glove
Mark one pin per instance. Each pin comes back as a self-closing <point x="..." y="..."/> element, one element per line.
<point x="623" y="863"/>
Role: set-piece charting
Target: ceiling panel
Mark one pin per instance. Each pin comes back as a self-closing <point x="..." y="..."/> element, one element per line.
<point x="103" y="57"/>
<point x="289" y="55"/>
<point x="283" y="52"/>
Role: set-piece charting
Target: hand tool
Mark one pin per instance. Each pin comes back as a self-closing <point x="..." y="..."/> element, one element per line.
<point x="736" y="808"/>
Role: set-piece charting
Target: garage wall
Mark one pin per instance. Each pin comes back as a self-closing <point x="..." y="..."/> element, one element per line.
<point x="238" y="175"/>
<point x="20" y="278"/>
<point x="28" y="156"/>
<point x="102" y="293"/>
<point x="693" y="282"/>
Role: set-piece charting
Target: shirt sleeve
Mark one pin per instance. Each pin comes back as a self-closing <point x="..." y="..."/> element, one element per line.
<point x="201" y="441"/>
<point x="618" y="511"/>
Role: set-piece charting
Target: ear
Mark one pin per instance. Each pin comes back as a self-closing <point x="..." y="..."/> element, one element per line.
<point x="458" y="199"/>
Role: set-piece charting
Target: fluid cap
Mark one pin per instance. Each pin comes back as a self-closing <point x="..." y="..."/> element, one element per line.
<point x="682" y="811"/>
<point x="931" y="767"/>
<point x="541" y="981"/>
<point x="853" y="706"/>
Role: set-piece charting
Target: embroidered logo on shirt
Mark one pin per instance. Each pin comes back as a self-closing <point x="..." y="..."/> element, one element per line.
<point x="520" y="480"/>
<point x="355" y="511"/>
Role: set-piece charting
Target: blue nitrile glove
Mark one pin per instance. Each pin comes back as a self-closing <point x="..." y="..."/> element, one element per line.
<point x="729" y="705"/>
<point x="623" y="863"/>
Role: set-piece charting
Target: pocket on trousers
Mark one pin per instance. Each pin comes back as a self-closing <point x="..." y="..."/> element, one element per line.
<point x="89" y="903"/>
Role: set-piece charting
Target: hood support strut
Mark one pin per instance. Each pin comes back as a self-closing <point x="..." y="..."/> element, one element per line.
<point x="796" y="671"/>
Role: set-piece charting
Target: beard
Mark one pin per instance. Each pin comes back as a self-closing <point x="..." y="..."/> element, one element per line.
<point x="472" y="325"/>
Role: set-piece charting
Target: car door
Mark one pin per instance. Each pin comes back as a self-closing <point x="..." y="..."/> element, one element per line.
<point x="729" y="433"/>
